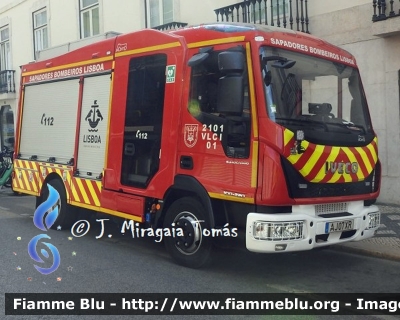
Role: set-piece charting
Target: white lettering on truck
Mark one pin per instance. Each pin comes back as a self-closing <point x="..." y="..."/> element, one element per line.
<point x="71" y="72"/>
<point x="317" y="51"/>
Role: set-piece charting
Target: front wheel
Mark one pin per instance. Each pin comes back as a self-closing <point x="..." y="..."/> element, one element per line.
<point x="189" y="245"/>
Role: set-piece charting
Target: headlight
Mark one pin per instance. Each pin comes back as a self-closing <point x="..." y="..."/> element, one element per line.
<point x="278" y="231"/>
<point x="374" y="219"/>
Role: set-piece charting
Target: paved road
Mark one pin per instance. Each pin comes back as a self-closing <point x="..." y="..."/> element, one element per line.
<point x="120" y="264"/>
<point x="390" y="223"/>
<point x="386" y="243"/>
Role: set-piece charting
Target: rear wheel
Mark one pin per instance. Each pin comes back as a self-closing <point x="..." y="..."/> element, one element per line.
<point x="188" y="245"/>
<point x="67" y="214"/>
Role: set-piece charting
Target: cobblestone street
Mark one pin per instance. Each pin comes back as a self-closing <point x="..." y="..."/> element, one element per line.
<point x="386" y="242"/>
<point x="389" y="230"/>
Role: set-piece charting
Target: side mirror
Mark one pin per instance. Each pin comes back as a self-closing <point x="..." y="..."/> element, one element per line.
<point x="231" y="86"/>
<point x="231" y="62"/>
<point x="197" y="59"/>
<point x="267" y="78"/>
<point x="230" y="95"/>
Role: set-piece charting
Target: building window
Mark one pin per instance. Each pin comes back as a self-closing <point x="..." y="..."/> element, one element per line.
<point x="257" y="7"/>
<point x="40" y="31"/>
<point x="5" y="55"/>
<point x="90" y="18"/>
<point x="161" y="12"/>
<point x="7" y="127"/>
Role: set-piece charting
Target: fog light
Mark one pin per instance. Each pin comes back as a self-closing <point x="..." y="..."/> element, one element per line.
<point x="280" y="247"/>
<point x="374" y="220"/>
<point x="274" y="231"/>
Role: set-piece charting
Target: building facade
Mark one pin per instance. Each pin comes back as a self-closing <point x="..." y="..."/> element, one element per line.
<point x="370" y="29"/>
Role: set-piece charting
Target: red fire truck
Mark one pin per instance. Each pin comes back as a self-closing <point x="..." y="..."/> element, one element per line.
<point x="209" y="131"/>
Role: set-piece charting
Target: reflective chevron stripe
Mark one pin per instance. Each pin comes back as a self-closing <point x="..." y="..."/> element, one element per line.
<point x="26" y="176"/>
<point x="312" y="164"/>
<point x="85" y="191"/>
<point x="30" y="176"/>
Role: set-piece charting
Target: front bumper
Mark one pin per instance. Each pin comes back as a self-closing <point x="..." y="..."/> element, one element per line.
<point x="311" y="225"/>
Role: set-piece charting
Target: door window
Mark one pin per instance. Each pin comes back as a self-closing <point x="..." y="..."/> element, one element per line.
<point x="211" y="88"/>
<point x="143" y="119"/>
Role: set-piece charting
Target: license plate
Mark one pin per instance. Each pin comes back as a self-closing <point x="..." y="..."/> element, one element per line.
<point x="339" y="226"/>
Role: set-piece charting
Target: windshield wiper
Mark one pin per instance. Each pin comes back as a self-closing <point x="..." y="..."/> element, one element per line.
<point x="344" y="124"/>
<point x="304" y="121"/>
<point x="348" y="125"/>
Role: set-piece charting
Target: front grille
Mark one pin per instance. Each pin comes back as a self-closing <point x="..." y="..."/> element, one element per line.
<point x="330" y="208"/>
<point x="298" y="187"/>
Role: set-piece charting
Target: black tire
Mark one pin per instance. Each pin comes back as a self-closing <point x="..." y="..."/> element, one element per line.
<point x="193" y="249"/>
<point x="67" y="215"/>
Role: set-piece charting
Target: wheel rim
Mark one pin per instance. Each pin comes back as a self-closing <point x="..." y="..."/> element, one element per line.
<point x="190" y="242"/>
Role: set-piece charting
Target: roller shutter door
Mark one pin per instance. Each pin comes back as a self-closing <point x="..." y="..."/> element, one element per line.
<point x="49" y="121"/>
<point x="93" y="126"/>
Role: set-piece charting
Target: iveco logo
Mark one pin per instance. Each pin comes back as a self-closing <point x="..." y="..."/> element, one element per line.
<point x="121" y="47"/>
<point x="341" y="167"/>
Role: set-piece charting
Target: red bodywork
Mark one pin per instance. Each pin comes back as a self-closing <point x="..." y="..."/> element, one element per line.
<point x="258" y="179"/>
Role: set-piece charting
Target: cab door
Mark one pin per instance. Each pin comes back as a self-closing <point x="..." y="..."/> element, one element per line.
<point x="144" y="117"/>
<point x="143" y="120"/>
<point x="220" y="132"/>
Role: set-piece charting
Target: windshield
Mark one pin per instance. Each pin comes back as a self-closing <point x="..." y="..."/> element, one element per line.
<point x="312" y="94"/>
